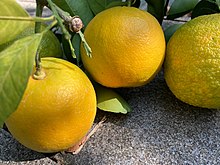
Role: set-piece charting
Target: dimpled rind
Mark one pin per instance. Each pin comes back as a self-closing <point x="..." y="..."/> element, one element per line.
<point x="192" y="64"/>
<point x="128" y="47"/>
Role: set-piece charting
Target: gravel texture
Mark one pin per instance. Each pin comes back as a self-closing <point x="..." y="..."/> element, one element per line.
<point x="160" y="130"/>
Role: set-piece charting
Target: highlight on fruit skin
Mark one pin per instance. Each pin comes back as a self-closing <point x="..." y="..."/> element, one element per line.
<point x="192" y="64"/>
<point x="57" y="112"/>
<point x="128" y="47"/>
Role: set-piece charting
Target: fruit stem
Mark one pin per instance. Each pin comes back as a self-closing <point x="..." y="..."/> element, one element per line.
<point x="42" y="2"/>
<point x="38" y="74"/>
<point x="39" y="11"/>
<point x="68" y="19"/>
<point x="56" y="12"/>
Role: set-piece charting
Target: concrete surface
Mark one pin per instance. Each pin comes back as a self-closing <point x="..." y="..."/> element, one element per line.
<point x="160" y="130"/>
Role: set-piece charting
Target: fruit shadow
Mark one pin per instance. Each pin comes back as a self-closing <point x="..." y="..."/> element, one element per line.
<point x="12" y="151"/>
<point x="157" y="121"/>
<point x="157" y="115"/>
<point x="155" y="104"/>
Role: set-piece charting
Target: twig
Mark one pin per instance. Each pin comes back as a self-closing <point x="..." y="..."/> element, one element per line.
<point x="77" y="148"/>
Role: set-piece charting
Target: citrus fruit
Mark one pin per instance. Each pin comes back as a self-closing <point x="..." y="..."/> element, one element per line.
<point x="192" y="65"/>
<point x="56" y="112"/>
<point x="128" y="47"/>
<point x="49" y="46"/>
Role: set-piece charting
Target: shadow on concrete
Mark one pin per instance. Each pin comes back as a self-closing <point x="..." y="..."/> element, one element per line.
<point x="159" y="129"/>
<point x="11" y="150"/>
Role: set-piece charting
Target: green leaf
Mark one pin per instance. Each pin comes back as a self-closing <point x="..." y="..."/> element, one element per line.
<point x="76" y="41"/>
<point x="180" y="8"/>
<point x="80" y="8"/>
<point x="109" y="100"/>
<point x="170" y="31"/>
<point x="16" y="64"/>
<point x="218" y="3"/>
<point x="115" y="3"/>
<point x="205" y="7"/>
<point x="97" y="5"/>
<point x="11" y="28"/>
<point x="157" y="8"/>
<point x="66" y="49"/>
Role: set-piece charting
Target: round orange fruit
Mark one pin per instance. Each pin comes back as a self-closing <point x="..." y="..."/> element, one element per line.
<point x="128" y="47"/>
<point x="192" y="65"/>
<point x="57" y="112"/>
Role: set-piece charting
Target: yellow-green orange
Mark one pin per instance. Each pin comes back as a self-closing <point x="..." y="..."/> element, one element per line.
<point x="49" y="46"/>
<point x="56" y="112"/>
<point x="127" y="45"/>
<point x="192" y="65"/>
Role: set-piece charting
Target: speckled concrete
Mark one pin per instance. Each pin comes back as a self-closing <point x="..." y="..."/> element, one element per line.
<point x="160" y="130"/>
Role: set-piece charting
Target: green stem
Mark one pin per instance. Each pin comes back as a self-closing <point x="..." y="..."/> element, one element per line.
<point x="59" y="20"/>
<point x="38" y="74"/>
<point x="85" y="44"/>
<point x="35" y="19"/>
<point x="37" y="63"/>
<point x="37" y="29"/>
<point x="57" y="12"/>
<point x="129" y="3"/>
<point x="50" y="26"/>
<point x="63" y="14"/>
<point x="72" y="49"/>
<point x="39" y="11"/>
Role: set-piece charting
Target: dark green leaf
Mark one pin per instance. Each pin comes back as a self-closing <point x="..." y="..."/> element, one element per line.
<point x="76" y="44"/>
<point x="80" y="8"/>
<point x="157" y="8"/>
<point x="136" y="3"/>
<point x="16" y="64"/>
<point x="170" y="31"/>
<point x="180" y="8"/>
<point x="115" y="3"/>
<point x="109" y="100"/>
<point x="66" y="49"/>
<point x="205" y="7"/>
<point x="11" y="28"/>
<point x="218" y="2"/>
<point x="99" y="5"/>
